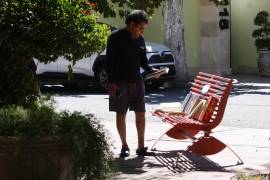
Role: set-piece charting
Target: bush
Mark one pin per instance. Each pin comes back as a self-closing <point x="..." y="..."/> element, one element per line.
<point x="262" y="33"/>
<point x="82" y="134"/>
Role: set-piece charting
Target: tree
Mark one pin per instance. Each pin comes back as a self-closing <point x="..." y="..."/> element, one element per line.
<point x="43" y="29"/>
<point x="174" y="36"/>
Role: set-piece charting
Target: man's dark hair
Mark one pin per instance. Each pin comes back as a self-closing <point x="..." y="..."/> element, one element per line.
<point x="136" y="16"/>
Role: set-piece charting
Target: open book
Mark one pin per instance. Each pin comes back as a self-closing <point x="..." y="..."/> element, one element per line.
<point x="157" y="74"/>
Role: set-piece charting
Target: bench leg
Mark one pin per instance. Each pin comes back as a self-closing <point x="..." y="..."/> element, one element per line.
<point x="153" y="147"/>
<point x="201" y="147"/>
<point x="240" y="160"/>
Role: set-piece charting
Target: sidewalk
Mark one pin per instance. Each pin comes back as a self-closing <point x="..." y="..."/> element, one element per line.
<point x="250" y="142"/>
<point x="252" y="145"/>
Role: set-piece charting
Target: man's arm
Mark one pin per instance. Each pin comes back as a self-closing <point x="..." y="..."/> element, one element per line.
<point x="110" y="63"/>
<point x="110" y="59"/>
<point x="144" y="60"/>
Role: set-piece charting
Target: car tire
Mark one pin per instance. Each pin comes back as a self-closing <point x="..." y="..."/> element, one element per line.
<point x="102" y="77"/>
<point x="153" y="85"/>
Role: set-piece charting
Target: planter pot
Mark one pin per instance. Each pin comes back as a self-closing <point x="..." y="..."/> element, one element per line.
<point x="264" y="63"/>
<point x="31" y="160"/>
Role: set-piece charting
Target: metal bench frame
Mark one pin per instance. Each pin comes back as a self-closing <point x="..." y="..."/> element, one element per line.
<point x="187" y="128"/>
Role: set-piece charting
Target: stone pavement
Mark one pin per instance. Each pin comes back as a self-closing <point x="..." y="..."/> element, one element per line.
<point x="252" y="145"/>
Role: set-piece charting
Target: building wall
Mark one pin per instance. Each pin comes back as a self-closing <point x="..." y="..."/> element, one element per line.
<point x="244" y="55"/>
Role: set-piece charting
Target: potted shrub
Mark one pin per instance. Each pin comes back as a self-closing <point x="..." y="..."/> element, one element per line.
<point x="38" y="143"/>
<point x="262" y="41"/>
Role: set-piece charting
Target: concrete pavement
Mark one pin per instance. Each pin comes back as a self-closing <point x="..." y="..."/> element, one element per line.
<point x="245" y="128"/>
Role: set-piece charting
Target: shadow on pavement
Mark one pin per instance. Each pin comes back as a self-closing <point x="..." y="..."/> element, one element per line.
<point x="240" y="89"/>
<point x="175" y="161"/>
<point x="135" y="165"/>
<point x="183" y="161"/>
<point x="71" y="91"/>
<point x="166" y="95"/>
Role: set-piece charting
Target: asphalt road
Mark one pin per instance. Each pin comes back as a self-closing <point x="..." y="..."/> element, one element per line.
<point x="248" y="105"/>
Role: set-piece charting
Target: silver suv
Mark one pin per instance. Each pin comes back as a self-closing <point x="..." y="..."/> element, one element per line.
<point x="92" y="69"/>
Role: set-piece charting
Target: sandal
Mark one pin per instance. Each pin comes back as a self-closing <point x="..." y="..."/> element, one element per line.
<point x="143" y="152"/>
<point x="124" y="152"/>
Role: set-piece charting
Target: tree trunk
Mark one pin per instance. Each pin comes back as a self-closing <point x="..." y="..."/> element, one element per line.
<point x="18" y="81"/>
<point x="174" y="36"/>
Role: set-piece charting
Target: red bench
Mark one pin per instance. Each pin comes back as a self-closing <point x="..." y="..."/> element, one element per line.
<point x="206" y="86"/>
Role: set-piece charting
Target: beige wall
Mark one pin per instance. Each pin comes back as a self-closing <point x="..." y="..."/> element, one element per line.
<point x="244" y="55"/>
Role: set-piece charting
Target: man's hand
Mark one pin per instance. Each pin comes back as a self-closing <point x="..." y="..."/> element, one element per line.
<point x="155" y="70"/>
<point x="112" y="88"/>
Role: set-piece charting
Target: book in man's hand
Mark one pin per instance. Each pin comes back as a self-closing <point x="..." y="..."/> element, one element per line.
<point x="157" y="74"/>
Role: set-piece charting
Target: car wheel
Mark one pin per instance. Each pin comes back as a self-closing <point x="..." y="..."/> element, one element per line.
<point x="75" y="85"/>
<point x="102" y="78"/>
<point x="153" y="85"/>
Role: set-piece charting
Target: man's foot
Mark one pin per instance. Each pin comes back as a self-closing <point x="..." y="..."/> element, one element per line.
<point x="124" y="152"/>
<point x="143" y="152"/>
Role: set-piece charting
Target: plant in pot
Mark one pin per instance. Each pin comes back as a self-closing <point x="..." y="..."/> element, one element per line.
<point x="38" y="143"/>
<point x="262" y="41"/>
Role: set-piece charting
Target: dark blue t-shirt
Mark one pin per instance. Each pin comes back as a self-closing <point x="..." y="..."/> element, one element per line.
<point x="124" y="57"/>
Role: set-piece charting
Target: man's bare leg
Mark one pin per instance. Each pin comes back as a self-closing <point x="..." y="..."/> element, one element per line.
<point x="121" y="127"/>
<point x="140" y="124"/>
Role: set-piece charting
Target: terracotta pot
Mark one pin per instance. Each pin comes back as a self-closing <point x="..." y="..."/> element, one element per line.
<point x="34" y="160"/>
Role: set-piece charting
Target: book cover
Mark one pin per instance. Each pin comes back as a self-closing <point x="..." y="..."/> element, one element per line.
<point x="208" y="109"/>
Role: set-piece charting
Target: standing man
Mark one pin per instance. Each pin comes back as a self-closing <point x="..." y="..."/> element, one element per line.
<point x="126" y="53"/>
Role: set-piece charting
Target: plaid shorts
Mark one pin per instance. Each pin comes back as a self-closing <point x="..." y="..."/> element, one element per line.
<point x="131" y="97"/>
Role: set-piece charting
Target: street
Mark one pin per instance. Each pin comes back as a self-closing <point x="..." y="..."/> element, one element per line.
<point x="248" y="105"/>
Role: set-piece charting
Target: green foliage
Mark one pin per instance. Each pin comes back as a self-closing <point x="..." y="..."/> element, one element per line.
<point x="262" y="34"/>
<point x="147" y="5"/>
<point x="242" y="176"/>
<point x="47" y="29"/>
<point x="84" y="136"/>
<point x="43" y="29"/>
<point x="220" y="2"/>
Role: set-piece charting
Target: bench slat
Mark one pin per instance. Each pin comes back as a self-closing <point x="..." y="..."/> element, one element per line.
<point x="198" y="91"/>
<point x="196" y="81"/>
<point x="213" y="81"/>
<point x="214" y="76"/>
<point x="212" y="90"/>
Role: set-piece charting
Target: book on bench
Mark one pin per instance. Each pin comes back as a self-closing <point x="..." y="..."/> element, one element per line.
<point x="190" y="106"/>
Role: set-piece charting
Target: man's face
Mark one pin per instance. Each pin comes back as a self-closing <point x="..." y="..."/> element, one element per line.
<point x="137" y="30"/>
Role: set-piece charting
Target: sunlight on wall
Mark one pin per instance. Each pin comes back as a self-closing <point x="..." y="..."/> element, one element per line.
<point x="244" y="54"/>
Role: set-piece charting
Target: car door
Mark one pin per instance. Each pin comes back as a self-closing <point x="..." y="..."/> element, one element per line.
<point x="82" y="66"/>
<point x="48" y="68"/>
